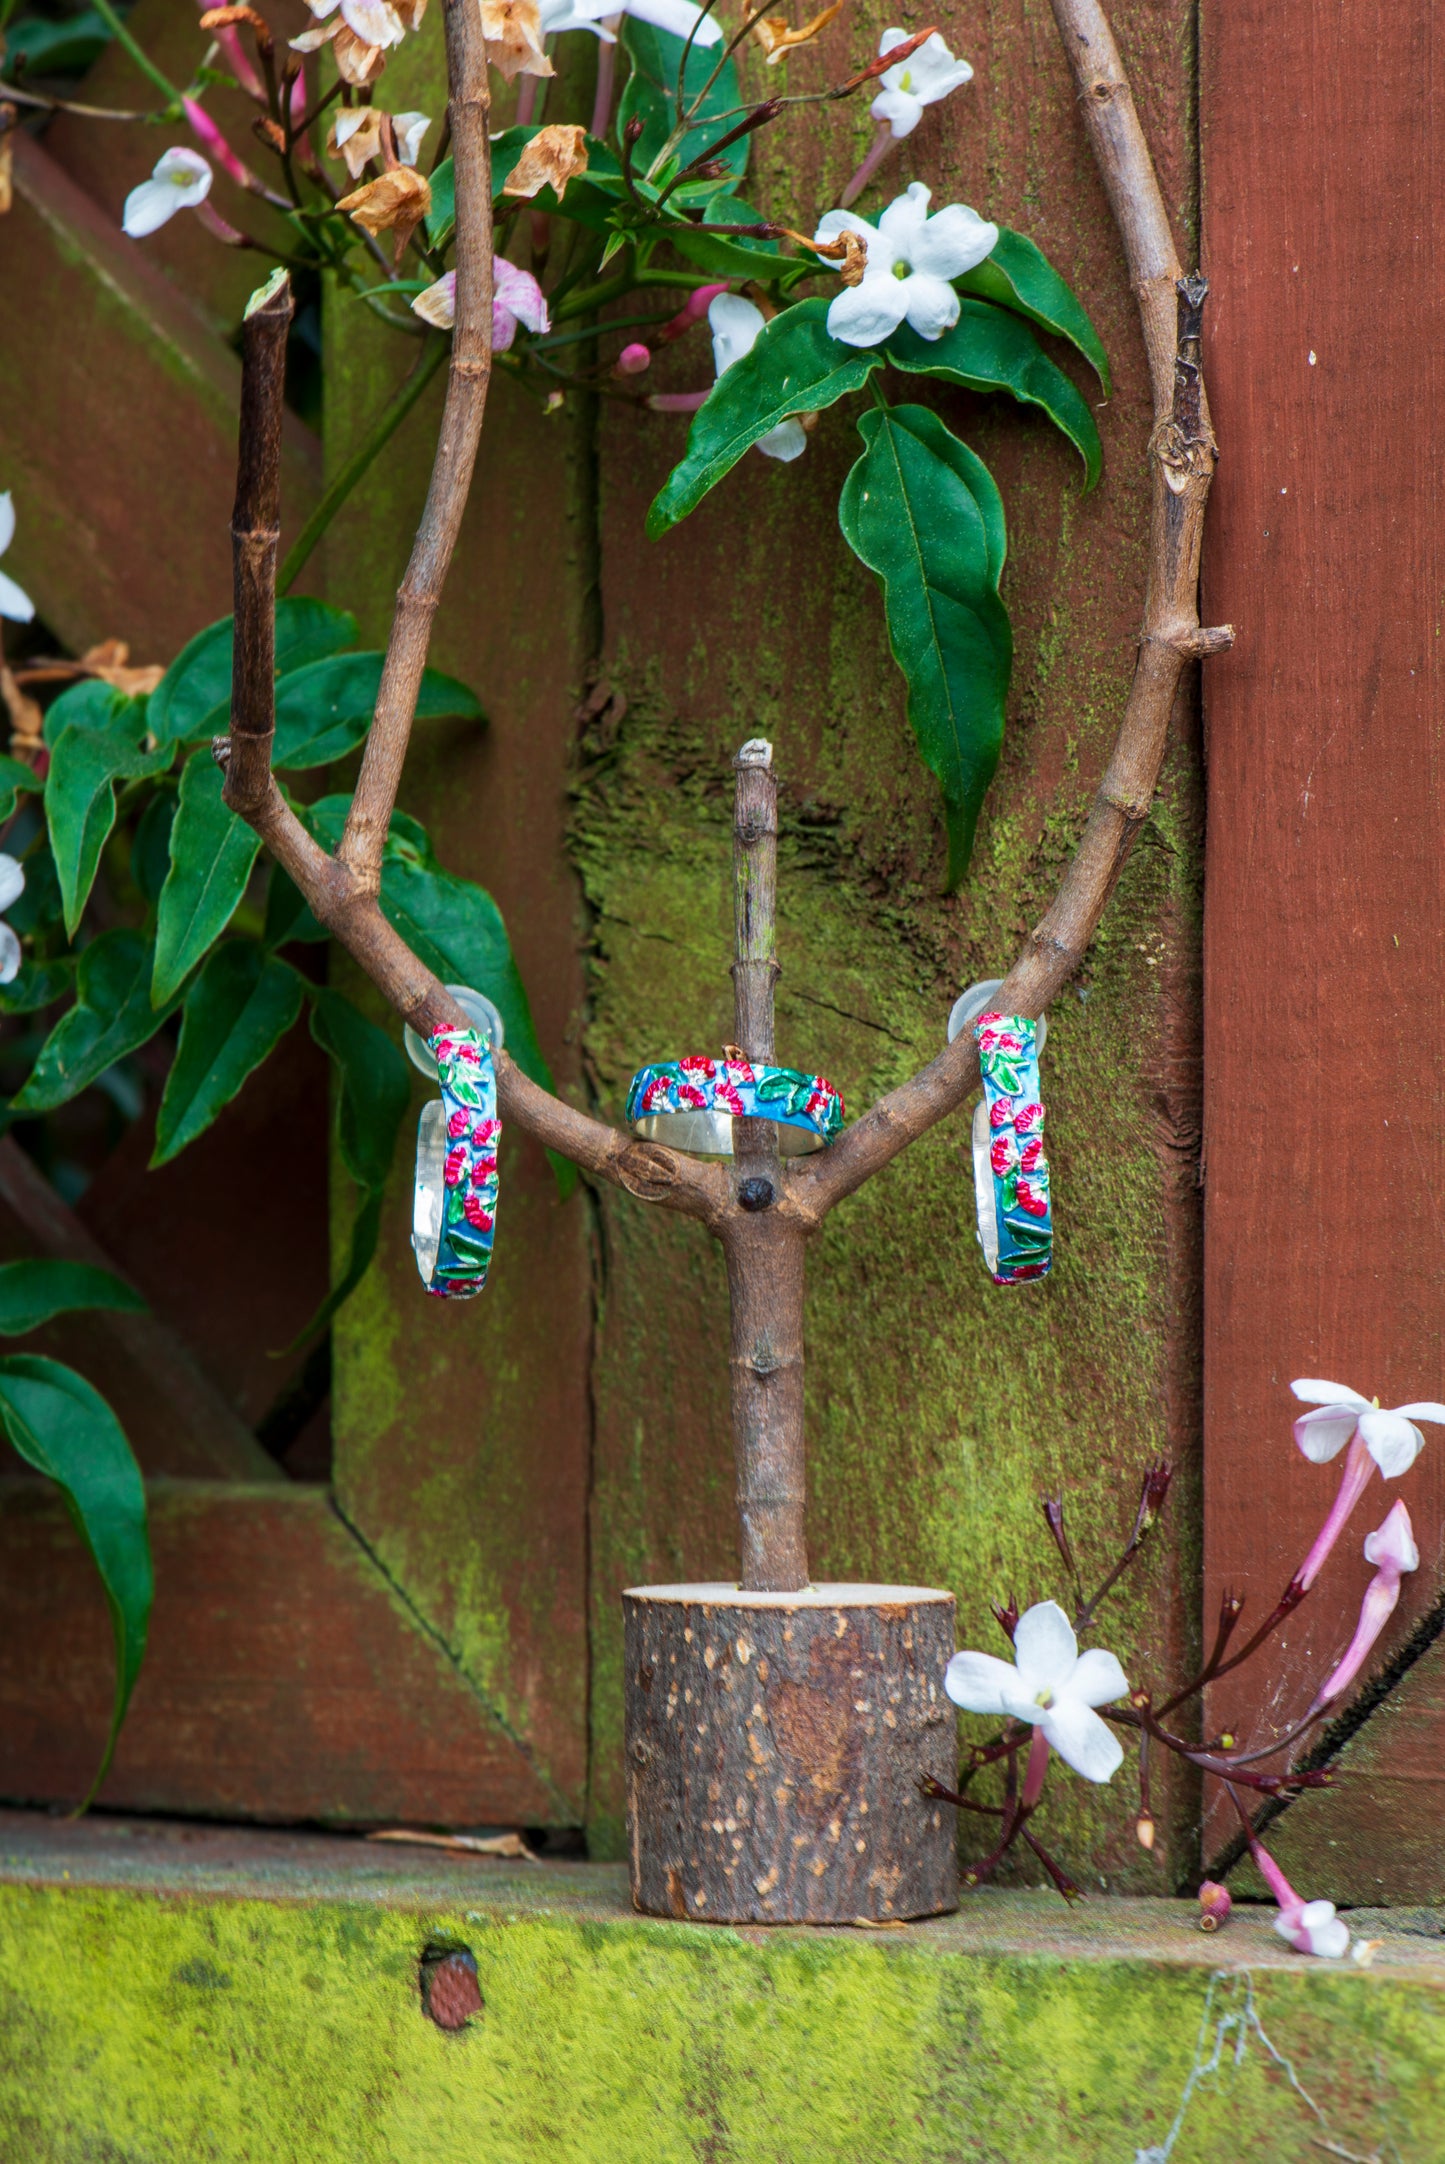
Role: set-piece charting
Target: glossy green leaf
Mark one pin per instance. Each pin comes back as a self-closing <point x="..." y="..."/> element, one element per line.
<point x="372" y="1102"/>
<point x="650" y="96"/>
<point x="36" y="985"/>
<point x="729" y="255"/>
<point x="86" y="761"/>
<point x="989" y="350"/>
<point x="112" y="1015"/>
<point x="150" y="849"/>
<point x="193" y="698"/>
<point x="1018" y="275"/>
<point x="507" y="149"/>
<point x="288" y="913"/>
<point x="65" y="1429"/>
<point x="212" y="853"/>
<point x="45" y="47"/>
<point x="795" y="367"/>
<point x="908" y="510"/>
<point x="34" y="1290"/>
<point x="16" y="778"/>
<point x="323" y="711"/>
<point x="442" y="217"/>
<point x="234" y="1015"/>
<point x="93" y="705"/>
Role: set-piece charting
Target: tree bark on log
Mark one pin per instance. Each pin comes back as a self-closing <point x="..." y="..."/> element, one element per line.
<point x="775" y="1743"/>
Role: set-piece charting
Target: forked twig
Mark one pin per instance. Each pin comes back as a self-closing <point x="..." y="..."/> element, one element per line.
<point x="764" y="1236"/>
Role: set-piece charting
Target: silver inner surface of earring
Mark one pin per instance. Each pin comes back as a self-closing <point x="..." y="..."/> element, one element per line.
<point x="478" y="1009"/>
<point x="429" y="1192"/>
<point x="977" y="1000"/>
<point x="710" y="1134"/>
<point x="983" y="1185"/>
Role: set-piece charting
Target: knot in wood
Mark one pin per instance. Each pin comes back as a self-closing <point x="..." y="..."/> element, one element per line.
<point x="755" y="1194"/>
<point x="648" y="1171"/>
<point x="1183" y="457"/>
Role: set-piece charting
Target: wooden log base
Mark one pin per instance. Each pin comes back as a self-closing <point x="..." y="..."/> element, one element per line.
<point x="774" y="1744"/>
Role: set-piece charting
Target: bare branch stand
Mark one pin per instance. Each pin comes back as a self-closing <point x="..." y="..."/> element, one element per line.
<point x="775" y="1729"/>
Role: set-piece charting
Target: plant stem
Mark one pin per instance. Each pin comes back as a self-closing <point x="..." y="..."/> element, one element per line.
<point x="382" y="429"/>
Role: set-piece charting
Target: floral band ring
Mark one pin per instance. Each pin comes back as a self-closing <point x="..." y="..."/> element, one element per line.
<point x="1010" y="1171"/>
<point x="454" y="1205"/>
<point x="690" y="1104"/>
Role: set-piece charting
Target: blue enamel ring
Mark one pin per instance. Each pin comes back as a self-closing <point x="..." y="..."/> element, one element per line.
<point x="1010" y="1171"/>
<point x="454" y="1207"/>
<point x="690" y="1104"/>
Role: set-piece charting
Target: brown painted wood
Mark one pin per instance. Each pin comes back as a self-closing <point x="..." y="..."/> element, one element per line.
<point x="117" y="428"/>
<point x="1325" y="1143"/>
<point x="178" y="1422"/>
<point x="774" y="1744"/>
<point x="286" y="1678"/>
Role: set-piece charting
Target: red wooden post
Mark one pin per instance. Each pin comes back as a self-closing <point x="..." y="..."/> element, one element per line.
<point x="1324" y="1093"/>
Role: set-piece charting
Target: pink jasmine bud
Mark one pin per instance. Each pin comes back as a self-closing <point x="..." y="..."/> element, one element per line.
<point x="1392" y="1550"/>
<point x="634" y="359"/>
<point x="1145" y="1830"/>
<point x="676" y="401"/>
<point x="205" y="129"/>
<point x="1214" y="1905"/>
<point x="694" y="308"/>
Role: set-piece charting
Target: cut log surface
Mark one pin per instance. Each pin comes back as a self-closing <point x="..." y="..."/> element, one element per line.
<point x="775" y="1743"/>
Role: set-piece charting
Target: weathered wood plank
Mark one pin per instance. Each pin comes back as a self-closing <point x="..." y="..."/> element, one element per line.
<point x="117" y="428"/>
<point x="285" y="1678"/>
<point x="1325" y="1070"/>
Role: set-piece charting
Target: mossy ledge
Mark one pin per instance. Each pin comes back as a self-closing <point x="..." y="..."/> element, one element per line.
<point x="172" y="1992"/>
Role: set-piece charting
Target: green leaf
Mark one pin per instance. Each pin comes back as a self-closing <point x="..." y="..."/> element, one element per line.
<point x="94" y="705"/>
<point x="988" y="350"/>
<point x="112" y="1015"/>
<point x="85" y="764"/>
<point x="442" y="216"/>
<point x="651" y="97"/>
<point x="37" y="985"/>
<point x="372" y="1101"/>
<point x="234" y="1015"/>
<point x="323" y="711"/>
<point x="193" y="698"/>
<point x="909" y="511"/>
<point x="288" y="913"/>
<point x="65" y="1429"/>
<point x="67" y="47"/>
<point x="34" y="1290"/>
<point x="15" y="779"/>
<point x="150" y="850"/>
<point x="212" y="853"/>
<point x="1018" y="275"/>
<point x="728" y="255"/>
<point x="795" y="367"/>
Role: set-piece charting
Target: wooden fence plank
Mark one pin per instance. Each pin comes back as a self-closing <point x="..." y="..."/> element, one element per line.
<point x="286" y="1678"/>
<point x="1324" y="1054"/>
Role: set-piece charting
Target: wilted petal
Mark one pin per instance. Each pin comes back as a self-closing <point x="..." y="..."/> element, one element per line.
<point x="778" y="38"/>
<point x="554" y="156"/>
<point x="735" y="324"/>
<point x="438" y="305"/>
<point x="1322" y="1434"/>
<point x="953" y="241"/>
<point x="513" y="33"/>
<point x="1082" y="1740"/>
<point x="356" y="137"/>
<point x="396" y="203"/>
<point x="518" y="292"/>
<point x="1045" y="1649"/>
<point x="789" y="440"/>
<point x="357" y="62"/>
<point x="1391" y="1546"/>
<point x="409" y="128"/>
<point x="1392" y="1441"/>
<point x="10" y="955"/>
<point x="931" y="306"/>
<point x="375" y="22"/>
<point x="181" y="179"/>
<point x="980" y="1683"/>
<point x="1097" y="1679"/>
<point x="12" y="881"/>
<point x="866" y="314"/>
<point x="835" y="223"/>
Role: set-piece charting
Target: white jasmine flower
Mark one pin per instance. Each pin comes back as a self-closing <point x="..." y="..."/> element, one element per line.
<point x="922" y="79"/>
<point x="1390" y="1436"/>
<point x="14" y="601"/>
<point x="1313" y="1928"/>
<point x="1051" y="1685"/>
<point x="516" y="298"/>
<point x="911" y="258"/>
<point x="374" y="22"/>
<point x="181" y="179"/>
<point x="735" y="325"/>
<point x="12" y="886"/>
<point x="678" y="16"/>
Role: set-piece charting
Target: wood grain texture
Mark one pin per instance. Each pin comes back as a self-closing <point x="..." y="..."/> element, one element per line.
<point x="938" y="1408"/>
<point x="774" y="1746"/>
<point x="285" y="1678"/>
<point x="1325" y="1147"/>
<point x="117" y="428"/>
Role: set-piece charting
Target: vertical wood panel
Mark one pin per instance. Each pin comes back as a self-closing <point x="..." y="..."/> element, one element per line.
<point x="1324" y="1059"/>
